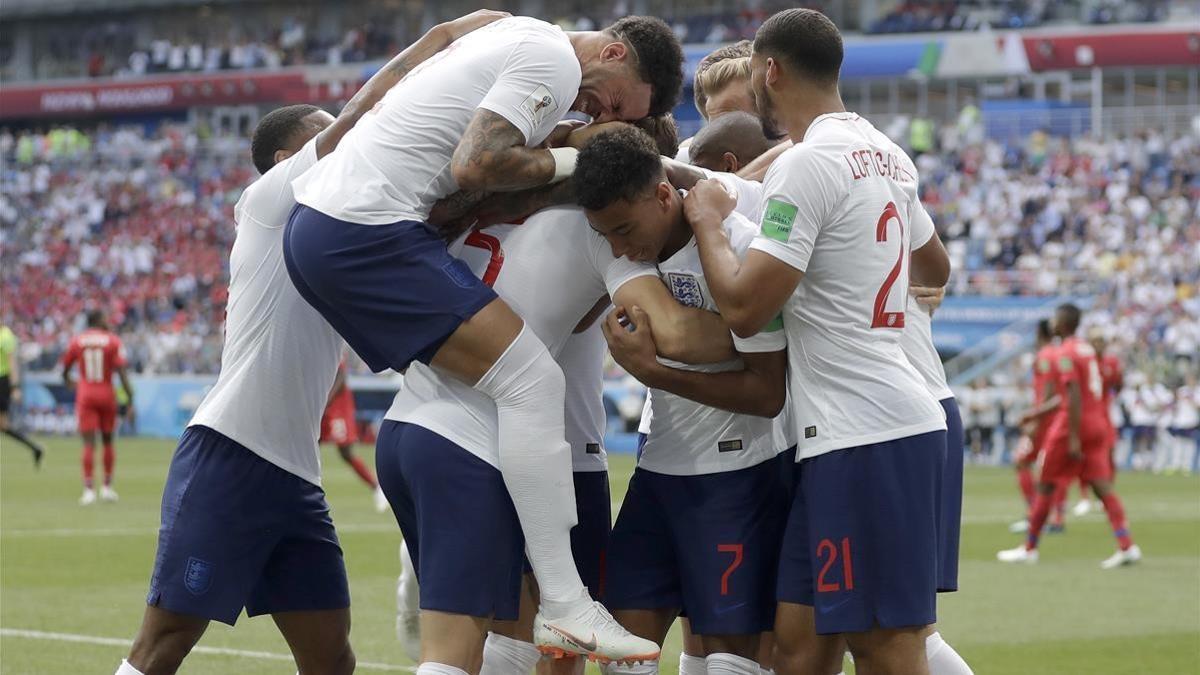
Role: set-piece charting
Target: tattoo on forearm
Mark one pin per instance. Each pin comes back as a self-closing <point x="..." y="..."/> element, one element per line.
<point x="496" y="149"/>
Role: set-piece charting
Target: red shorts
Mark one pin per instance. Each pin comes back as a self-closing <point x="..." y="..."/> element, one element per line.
<point x="1057" y="465"/>
<point x="96" y="415"/>
<point x="338" y="426"/>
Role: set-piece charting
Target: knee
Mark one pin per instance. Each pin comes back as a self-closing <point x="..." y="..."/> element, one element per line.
<point x="340" y="661"/>
<point x="161" y="652"/>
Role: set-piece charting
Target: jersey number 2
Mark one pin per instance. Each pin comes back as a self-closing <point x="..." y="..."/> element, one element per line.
<point x="487" y="242"/>
<point x="880" y="317"/>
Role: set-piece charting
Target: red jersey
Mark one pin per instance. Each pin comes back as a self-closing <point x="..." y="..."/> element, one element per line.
<point x="99" y="353"/>
<point x="342" y="403"/>
<point x="1077" y="363"/>
<point x="1110" y="378"/>
<point x="1045" y="371"/>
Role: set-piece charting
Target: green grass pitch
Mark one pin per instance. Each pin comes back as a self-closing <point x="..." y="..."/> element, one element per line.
<point x="73" y="580"/>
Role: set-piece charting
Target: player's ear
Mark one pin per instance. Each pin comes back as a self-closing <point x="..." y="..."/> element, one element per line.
<point x="662" y="193"/>
<point x="281" y="155"/>
<point x="730" y="163"/>
<point x="773" y="72"/>
<point x="614" y="51"/>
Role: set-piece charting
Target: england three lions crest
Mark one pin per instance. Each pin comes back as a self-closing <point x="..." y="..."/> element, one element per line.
<point x="686" y="289"/>
<point x="197" y="578"/>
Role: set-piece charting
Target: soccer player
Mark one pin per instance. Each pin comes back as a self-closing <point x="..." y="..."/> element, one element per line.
<point x="1112" y="380"/>
<point x="361" y="252"/>
<point x="1077" y="444"/>
<point x="244" y="520"/>
<point x="99" y="353"/>
<point x="700" y="526"/>
<point x="728" y="86"/>
<point x="10" y="393"/>
<point x="1034" y="421"/>
<point x="838" y="245"/>
<point x="338" y="426"/>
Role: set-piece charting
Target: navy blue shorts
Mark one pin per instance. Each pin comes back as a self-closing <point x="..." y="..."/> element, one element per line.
<point x="861" y="545"/>
<point x="393" y="292"/>
<point x="458" y="522"/>
<point x="238" y="531"/>
<point x="950" y="509"/>
<point x="589" y="538"/>
<point x="707" y="545"/>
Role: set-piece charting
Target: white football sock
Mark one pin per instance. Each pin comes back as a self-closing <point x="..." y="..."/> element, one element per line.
<point x="535" y="460"/>
<point x="730" y="664"/>
<point x="943" y="660"/>
<point x="503" y="655"/>
<point x="645" y="668"/>
<point x="691" y="665"/>
<point x="126" y="669"/>
<point x="431" y="668"/>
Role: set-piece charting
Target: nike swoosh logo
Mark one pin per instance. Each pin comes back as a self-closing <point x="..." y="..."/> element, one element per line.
<point x="830" y="608"/>
<point x="730" y="608"/>
<point x="587" y="646"/>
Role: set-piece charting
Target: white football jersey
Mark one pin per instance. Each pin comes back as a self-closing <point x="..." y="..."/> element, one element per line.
<point x="280" y="356"/>
<point x="687" y="438"/>
<point x="395" y="163"/>
<point x="582" y="362"/>
<point x="749" y="194"/>
<point x="916" y="339"/>
<point x="551" y="270"/>
<point x="840" y="207"/>
<point x="1186" y="408"/>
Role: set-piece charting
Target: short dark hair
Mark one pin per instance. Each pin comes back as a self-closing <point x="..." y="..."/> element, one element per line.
<point x="95" y="318"/>
<point x="615" y="165"/>
<point x="275" y="132"/>
<point x="737" y="132"/>
<point x="664" y="131"/>
<point x="805" y="39"/>
<point x="659" y="58"/>
<point x="1069" y="315"/>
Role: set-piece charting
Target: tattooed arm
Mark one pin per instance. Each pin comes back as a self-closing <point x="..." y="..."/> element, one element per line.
<point x="492" y="156"/>
<point x="437" y="39"/>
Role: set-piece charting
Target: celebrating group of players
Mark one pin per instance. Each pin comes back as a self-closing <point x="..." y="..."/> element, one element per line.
<point x="799" y="485"/>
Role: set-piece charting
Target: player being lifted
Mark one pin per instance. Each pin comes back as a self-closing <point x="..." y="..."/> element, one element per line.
<point x="1077" y="444"/>
<point x="100" y="354"/>
<point x="701" y="524"/>
<point x="360" y="251"/>
<point x="244" y="519"/>
<point x="833" y="253"/>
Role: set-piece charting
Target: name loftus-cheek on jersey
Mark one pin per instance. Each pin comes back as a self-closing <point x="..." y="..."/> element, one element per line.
<point x="865" y="163"/>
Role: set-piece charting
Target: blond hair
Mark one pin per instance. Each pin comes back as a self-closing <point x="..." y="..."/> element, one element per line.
<point x="718" y="76"/>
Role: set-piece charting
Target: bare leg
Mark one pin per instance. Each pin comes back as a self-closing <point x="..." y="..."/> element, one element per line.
<point x="320" y="640"/>
<point x="164" y="640"/>
<point x="798" y="648"/>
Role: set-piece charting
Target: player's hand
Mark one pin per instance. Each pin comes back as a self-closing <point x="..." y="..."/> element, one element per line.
<point x="473" y="21"/>
<point x="1075" y="448"/>
<point x="631" y="340"/>
<point x="580" y="137"/>
<point x="929" y="296"/>
<point x="707" y="203"/>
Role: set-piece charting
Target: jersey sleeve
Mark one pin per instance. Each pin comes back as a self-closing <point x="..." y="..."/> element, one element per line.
<point x="798" y="197"/>
<point x="1066" y="371"/>
<point x="72" y="354"/>
<point x="118" y="353"/>
<point x="770" y="339"/>
<point x="275" y="186"/>
<point x="536" y="87"/>
<point x="922" y="227"/>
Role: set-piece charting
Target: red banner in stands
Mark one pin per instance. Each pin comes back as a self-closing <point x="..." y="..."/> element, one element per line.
<point x="84" y="99"/>
<point x="1151" y="48"/>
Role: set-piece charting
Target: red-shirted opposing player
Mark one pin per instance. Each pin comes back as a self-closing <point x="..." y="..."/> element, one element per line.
<point x="1112" y="380"/>
<point x="1035" y="421"/>
<point x="99" y="353"/>
<point x="338" y="426"/>
<point x="1077" y="442"/>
